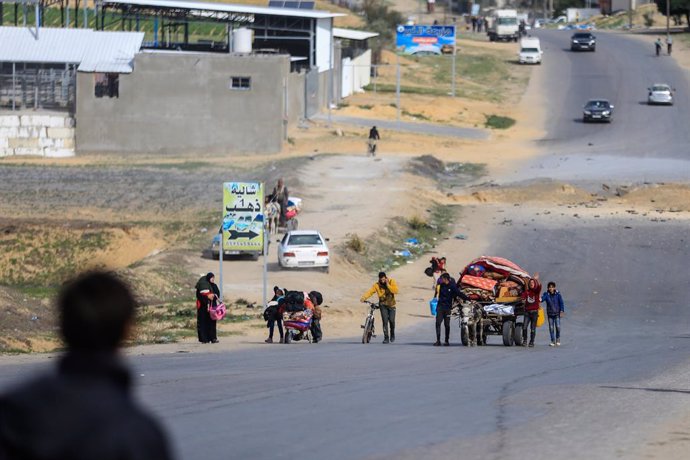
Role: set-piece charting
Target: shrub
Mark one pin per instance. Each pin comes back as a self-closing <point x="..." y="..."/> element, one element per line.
<point x="355" y="243"/>
<point x="498" y="122"/>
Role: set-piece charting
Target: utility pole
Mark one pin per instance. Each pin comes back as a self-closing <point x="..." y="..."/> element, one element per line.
<point x="668" y="19"/>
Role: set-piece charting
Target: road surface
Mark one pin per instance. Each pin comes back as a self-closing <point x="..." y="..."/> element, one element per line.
<point x="643" y="143"/>
<point x="620" y="375"/>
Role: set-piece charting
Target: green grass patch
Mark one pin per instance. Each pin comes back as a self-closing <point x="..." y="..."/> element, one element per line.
<point x="498" y="122"/>
<point x="366" y="106"/>
<point x="420" y="116"/>
<point x="389" y="248"/>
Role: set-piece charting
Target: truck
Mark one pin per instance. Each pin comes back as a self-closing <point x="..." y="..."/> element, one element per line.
<point x="530" y="51"/>
<point x="503" y="25"/>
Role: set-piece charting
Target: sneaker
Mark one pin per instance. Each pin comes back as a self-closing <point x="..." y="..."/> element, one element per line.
<point x="531" y="345"/>
<point x="558" y="342"/>
<point x="386" y="340"/>
<point x="214" y="341"/>
<point x="270" y="340"/>
<point x="552" y="344"/>
<point x="446" y="344"/>
<point x="392" y="338"/>
<point x="524" y="342"/>
<point x="437" y="344"/>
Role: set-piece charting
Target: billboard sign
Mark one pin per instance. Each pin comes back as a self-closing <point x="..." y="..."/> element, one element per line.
<point x="425" y="40"/>
<point x="243" y="216"/>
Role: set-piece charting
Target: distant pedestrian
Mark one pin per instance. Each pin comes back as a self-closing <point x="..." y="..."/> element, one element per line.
<point x="474" y="23"/>
<point x="386" y="289"/>
<point x="316" y="332"/>
<point x="657" y="45"/>
<point x="669" y="45"/>
<point x="207" y="294"/>
<point x="447" y="292"/>
<point x="373" y="140"/>
<point x="273" y="316"/>
<point x="554" y="309"/>
<point x="430" y="6"/>
<point x="531" y="296"/>
<point x="83" y="410"/>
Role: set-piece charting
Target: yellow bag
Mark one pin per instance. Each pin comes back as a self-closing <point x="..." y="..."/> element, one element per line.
<point x="541" y="318"/>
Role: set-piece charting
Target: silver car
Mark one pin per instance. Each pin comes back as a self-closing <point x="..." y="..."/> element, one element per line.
<point x="660" y="93"/>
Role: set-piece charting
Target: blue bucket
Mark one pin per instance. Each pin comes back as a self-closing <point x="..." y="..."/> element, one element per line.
<point x="433" y="303"/>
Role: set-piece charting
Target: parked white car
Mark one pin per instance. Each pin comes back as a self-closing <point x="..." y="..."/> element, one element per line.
<point x="303" y="249"/>
<point x="530" y="51"/>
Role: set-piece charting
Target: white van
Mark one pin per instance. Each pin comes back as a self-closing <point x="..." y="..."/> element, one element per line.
<point x="530" y="51"/>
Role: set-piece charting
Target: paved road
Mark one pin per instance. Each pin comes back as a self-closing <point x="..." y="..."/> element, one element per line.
<point x="653" y="140"/>
<point x="412" y="127"/>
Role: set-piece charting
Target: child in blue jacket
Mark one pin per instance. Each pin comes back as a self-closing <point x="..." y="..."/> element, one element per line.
<point x="554" y="308"/>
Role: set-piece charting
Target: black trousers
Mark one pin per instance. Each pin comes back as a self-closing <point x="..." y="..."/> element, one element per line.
<point x="531" y="321"/>
<point x="205" y="326"/>
<point x="442" y="316"/>
<point x="316" y="333"/>
<point x="388" y="318"/>
<point x="271" y="326"/>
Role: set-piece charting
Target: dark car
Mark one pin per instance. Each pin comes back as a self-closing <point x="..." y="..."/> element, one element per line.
<point x="598" y="110"/>
<point x="583" y="41"/>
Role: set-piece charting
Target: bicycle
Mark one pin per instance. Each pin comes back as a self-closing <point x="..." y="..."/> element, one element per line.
<point x="368" y="325"/>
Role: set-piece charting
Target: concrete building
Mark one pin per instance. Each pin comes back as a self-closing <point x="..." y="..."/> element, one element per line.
<point x="354" y="56"/>
<point x="164" y="91"/>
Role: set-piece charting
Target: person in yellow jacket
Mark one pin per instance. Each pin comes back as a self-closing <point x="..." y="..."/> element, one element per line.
<point x="386" y="288"/>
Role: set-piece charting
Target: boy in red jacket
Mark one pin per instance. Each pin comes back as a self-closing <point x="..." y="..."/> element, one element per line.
<point x="532" y="297"/>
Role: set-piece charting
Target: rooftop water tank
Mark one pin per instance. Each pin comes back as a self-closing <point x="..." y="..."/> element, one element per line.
<point x="242" y="40"/>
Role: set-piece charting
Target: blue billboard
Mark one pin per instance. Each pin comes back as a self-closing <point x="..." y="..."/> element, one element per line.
<point x="425" y="40"/>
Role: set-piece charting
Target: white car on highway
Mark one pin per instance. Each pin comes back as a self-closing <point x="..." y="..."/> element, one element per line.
<point x="303" y="249"/>
<point x="660" y="93"/>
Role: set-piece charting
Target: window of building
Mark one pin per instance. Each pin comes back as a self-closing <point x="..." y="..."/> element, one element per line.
<point x="107" y="85"/>
<point x="241" y="83"/>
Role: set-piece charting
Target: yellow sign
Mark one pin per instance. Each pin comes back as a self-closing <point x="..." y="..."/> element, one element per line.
<point x="243" y="216"/>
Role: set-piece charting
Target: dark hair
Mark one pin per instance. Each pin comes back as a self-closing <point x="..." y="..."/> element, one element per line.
<point x="382" y="274"/>
<point x="95" y="309"/>
<point x="446" y="276"/>
<point x="551" y="283"/>
<point x="316" y="297"/>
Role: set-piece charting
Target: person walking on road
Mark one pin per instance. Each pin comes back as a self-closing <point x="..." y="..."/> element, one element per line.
<point x="669" y="45"/>
<point x="657" y="45"/>
<point x="386" y="289"/>
<point x="532" y="301"/>
<point x="206" y="295"/>
<point x="273" y="316"/>
<point x="447" y="292"/>
<point x="372" y="141"/>
<point x="84" y="409"/>
<point x="554" y="309"/>
<point x="316" y="332"/>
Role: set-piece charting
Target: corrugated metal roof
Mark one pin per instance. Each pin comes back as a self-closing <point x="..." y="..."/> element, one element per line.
<point x="227" y="8"/>
<point x="350" y="34"/>
<point x="112" y="52"/>
<point x="20" y="44"/>
<point x="94" y="51"/>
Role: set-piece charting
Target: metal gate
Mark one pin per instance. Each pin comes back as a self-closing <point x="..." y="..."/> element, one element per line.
<point x="37" y="88"/>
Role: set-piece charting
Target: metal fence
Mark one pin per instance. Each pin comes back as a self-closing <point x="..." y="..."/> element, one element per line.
<point x="23" y="87"/>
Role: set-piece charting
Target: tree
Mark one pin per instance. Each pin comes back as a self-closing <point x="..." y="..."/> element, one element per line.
<point x="677" y="8"/>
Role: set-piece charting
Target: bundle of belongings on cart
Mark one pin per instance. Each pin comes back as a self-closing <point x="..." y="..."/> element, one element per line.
<point x="294" y="206"/>
<point x="297" y="310"/>
<point x="493" y="280"/>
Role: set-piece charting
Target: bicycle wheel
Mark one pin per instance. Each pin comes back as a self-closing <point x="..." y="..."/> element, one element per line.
<point x="368" y="326"/>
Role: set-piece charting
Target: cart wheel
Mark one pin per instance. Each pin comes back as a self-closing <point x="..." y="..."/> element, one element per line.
<point x="464" y="335"/>
<point x="288" y="337"/>
<point x="517" y="334"/>
<point x="508" y="333"/>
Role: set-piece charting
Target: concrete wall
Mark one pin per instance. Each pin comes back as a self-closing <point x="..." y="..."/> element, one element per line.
<point x="295" y="97"/>
<point x="356" y="73"/>
<point x="182" y="102"/>
<point x="46" y="134"/>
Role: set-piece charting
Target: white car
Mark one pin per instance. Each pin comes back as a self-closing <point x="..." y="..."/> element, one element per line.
<point x="303" y="249"/>
<point x="660" y="93"/>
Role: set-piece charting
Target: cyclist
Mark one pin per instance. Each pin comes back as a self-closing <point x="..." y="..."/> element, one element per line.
<point x="373" y="137"/>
